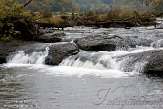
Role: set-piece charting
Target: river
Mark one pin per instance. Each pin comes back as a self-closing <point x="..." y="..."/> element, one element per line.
<point x="98" y="82"/>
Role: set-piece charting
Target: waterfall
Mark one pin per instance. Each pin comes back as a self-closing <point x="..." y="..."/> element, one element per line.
<point x="91" y="60"/>
<point x="125" y="61"/>
<point x="35" y="57"/>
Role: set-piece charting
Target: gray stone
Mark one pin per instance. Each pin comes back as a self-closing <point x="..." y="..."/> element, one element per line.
<point x="97" y="43"/>
<point x="59" y="51"/>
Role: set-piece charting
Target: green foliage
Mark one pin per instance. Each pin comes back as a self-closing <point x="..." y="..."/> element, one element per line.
<point x="10" y="14"/>
<point x="91" y="5"/>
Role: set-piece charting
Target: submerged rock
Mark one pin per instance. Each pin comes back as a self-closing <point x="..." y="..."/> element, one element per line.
<point x="59" y="51"/>
<point x="155" y="64"/>
<point x="149" y="62"/>
<point x="157" y="44"/>
<point x="137" y="41"/>
<point x="50" y="37"/>
<point x="97" y="43"/>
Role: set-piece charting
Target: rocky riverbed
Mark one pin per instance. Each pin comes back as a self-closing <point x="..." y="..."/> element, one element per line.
<point x="73" y="40"/>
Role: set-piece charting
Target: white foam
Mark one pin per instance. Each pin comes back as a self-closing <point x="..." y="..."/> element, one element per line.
<point x="94" y="60"/>
<point x="80" y="72"/>
<point x="63" y="71"/>
<point x="157" y="44"/>
<point x="34" y="58"/>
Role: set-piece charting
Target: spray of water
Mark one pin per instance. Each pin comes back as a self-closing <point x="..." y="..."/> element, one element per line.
<point x="36" y="57"/>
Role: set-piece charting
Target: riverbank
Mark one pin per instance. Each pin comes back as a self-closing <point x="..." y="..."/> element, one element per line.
<point x="96" y="19"/>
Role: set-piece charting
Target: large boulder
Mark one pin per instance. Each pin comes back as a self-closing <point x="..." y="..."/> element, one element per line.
<point x="97" y="43"/>
<point x="59" y="51"/>
<point x="149" y="62"/>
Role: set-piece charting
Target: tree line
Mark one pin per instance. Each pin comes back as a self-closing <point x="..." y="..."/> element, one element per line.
<point x="92" y="5"/>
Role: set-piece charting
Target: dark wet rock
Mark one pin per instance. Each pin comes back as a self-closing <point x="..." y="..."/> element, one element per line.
<point x="59" y="51"/>
<point x="149" y="62"/>
<point x="97" y="43"/>
<point x="2" y="60"/>
<point x="50" y="37"/>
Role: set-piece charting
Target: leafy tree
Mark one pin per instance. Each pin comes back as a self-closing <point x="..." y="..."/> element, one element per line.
<point x="8" y="9"/>
<point x="11" y="14"/>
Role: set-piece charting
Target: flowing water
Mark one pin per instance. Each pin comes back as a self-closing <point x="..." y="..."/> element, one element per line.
<point x="88" y="80"/>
